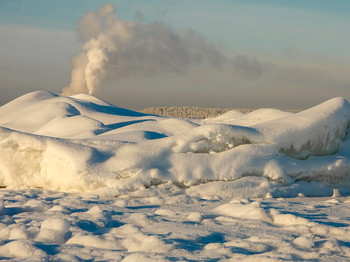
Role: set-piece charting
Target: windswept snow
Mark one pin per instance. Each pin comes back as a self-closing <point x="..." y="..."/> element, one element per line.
<point x="41" y="225"/>
<point x="81" y="143"/>
<point x="86" y="180"/>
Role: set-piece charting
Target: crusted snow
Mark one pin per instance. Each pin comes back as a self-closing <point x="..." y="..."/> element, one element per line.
<point x="42" y="225"/>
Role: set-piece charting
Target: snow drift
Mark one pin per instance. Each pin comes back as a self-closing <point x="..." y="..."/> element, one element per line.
<point x="81" y="143"/>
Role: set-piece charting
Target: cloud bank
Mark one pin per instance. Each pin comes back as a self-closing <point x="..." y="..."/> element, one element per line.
<point x="115" y="49"/>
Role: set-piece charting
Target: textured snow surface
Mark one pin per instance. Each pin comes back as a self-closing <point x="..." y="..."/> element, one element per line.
<point x="83" y="180"/>
<point x="158" y="225"/>
<point x="81" y="143"/>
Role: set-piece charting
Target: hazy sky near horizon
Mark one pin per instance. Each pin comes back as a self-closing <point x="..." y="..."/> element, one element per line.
<point x="287" y="53"/>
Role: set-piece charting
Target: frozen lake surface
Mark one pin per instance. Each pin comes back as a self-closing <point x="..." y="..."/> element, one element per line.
<point x="40" y="225"/>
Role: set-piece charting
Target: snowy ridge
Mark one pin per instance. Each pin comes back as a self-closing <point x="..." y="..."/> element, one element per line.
<point x="81" y="143"/>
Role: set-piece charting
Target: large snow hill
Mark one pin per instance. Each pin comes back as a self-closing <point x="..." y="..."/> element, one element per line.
<point x="88" y="181"/>
<point x="81" y="143"/>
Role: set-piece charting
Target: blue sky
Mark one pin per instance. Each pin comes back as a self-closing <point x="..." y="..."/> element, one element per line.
<point x="306" y="42"/>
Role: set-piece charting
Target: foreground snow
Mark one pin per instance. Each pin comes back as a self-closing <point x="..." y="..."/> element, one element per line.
<point x="85" y="180"/>
<point x="40" y="225"/>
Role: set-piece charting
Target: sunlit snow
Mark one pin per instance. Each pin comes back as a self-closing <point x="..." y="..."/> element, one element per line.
<point x="83" y="179"/>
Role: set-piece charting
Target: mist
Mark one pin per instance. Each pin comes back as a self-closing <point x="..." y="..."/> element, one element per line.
<point x="115" y="49"/>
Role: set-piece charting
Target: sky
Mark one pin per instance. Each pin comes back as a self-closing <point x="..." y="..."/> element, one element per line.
<point x="253" y="53"/>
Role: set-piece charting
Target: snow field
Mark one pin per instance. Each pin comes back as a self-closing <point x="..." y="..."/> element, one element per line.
<point x="85" y="180"/>
<point x="37" y="224"/>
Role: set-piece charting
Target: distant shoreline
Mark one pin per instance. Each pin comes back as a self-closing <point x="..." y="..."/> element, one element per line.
<point x="194" y="111"/>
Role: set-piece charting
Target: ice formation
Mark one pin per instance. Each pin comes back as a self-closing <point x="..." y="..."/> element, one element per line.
<point x="81" y="143"/>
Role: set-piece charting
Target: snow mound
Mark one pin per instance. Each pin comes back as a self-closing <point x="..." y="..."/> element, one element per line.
<point x="54" y="229"/>
<point x="317" y="131"/>
<point x="81" y="143"/>
<point x="235" y="117"/>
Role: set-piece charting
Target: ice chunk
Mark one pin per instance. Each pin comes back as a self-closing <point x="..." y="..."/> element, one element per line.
<point x="242" y="209"/>
<point x="54" y="229"/>
<point x="214" y="138"/>
<point x="21" y="249"/>
<point x="287" y="219"/>
<point x="93" y="241"/>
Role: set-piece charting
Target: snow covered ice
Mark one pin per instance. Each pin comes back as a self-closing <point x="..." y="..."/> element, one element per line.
<point x="83" y="144"/>
<point x="83" y="179"/>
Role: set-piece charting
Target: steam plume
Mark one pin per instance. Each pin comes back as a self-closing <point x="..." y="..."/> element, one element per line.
<point x="115" y="49"/>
